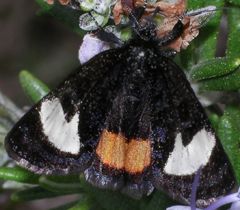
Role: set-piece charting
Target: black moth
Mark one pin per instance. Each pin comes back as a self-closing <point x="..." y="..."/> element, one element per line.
<point x="128" y="120"/>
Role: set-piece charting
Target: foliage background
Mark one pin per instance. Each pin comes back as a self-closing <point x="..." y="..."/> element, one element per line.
<point x="39" y="43"/>
<point x="36" y="42"/>
<point x="49" y="49"/>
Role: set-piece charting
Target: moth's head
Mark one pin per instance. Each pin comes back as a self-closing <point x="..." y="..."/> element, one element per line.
<point x="158" y="22"/>
<point x="146" y="31"/>
<point x="143" y="27"/>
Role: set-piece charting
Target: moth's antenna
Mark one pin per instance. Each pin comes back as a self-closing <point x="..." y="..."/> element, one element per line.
<point x="201" y="16"/>
<point x="211" y="9"/>
<point x="135" y="15"/>
<point x="201" y="11"/>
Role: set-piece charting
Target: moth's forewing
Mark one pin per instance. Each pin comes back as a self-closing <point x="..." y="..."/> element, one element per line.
<point x="135" y="124"/>
<point x="59" y="134"/>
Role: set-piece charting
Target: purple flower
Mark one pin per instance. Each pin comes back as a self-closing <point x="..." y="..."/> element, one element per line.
<point x="90" y="47"/>
<point x="193" y="195"/>
<point x="233" y="198"/>
<point x="235" y="206"/>
<point x="181" y="208"/>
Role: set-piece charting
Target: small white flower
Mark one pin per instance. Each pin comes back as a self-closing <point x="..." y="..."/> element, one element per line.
<point x="90" y="47"/>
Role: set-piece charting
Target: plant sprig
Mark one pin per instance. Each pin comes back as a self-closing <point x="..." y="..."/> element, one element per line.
<point x="211" y="73"/>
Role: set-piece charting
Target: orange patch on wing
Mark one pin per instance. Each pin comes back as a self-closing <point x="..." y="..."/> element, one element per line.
<point x="111" y="149"/>
<point x="138" y="155"/>
<point x="114" y="151"/>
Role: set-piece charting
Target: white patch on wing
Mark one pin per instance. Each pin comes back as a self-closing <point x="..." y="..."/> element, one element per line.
<point x="62" y="134"/>
<point x="186" y="160"/>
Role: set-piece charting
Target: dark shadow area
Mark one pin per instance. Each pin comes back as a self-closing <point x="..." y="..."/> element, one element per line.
<point x="39" y="44"/>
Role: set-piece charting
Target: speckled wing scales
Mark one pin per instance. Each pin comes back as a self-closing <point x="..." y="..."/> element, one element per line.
<point x="57" y="135"/>
<point x="184" y="141"/>
<point x="130" y="121"/>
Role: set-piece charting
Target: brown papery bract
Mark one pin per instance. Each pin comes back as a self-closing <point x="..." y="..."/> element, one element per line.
<point x="50" y="1"/>
<point x="170" y="12"/>
<point x="63" y="2"/>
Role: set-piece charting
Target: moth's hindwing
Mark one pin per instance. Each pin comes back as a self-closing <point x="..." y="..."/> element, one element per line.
<point x="130" y="120"/>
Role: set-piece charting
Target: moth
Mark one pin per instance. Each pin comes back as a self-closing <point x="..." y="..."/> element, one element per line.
<point x="128" y="120"/>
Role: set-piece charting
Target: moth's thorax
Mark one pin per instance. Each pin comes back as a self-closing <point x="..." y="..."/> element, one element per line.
<point x="140" y="63"/>
<point x="142" y="55"/>
<point x="139" y="70"/>
<point x="147" y="31"/>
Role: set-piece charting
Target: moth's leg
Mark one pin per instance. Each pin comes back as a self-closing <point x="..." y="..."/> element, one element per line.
<point x="105" y="35"/>
<point x="175" y="33"/>
<point x="108" y="37"/>
<point x="135" y="15"/>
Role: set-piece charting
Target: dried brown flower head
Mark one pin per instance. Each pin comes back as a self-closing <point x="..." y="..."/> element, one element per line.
<point x="170" y="13"/>
<point x="63" y="2"/>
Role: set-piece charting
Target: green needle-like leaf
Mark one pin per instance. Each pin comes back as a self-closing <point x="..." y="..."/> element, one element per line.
<point x="33" y="87"/>
<point x="229" y="133"/>
<point x="214" y="119"/>
<point x="34" y="193"/>
<point x="64" y="178"/>
<point x="54" y="186"/>
<point x="65" y="14"/>
<point x="66" y="206"/>
<point x="13" y="185"/>
<point x="3" y="154"/>
<point x="233" y="49"/>
<point x="229" y="82"/>
<point x="110" y="200"/>
<point x="18" y="174"/>
<point x="204" y="46"/>
<point x="234" y="2"/>
<point x="9" y="110"/>
<point x="158" y="201"/>
<point x="213" y="74"/>
<point x="44" y="6"/>
<point x="214" y="68"/>
<point x="82" y="205"/>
